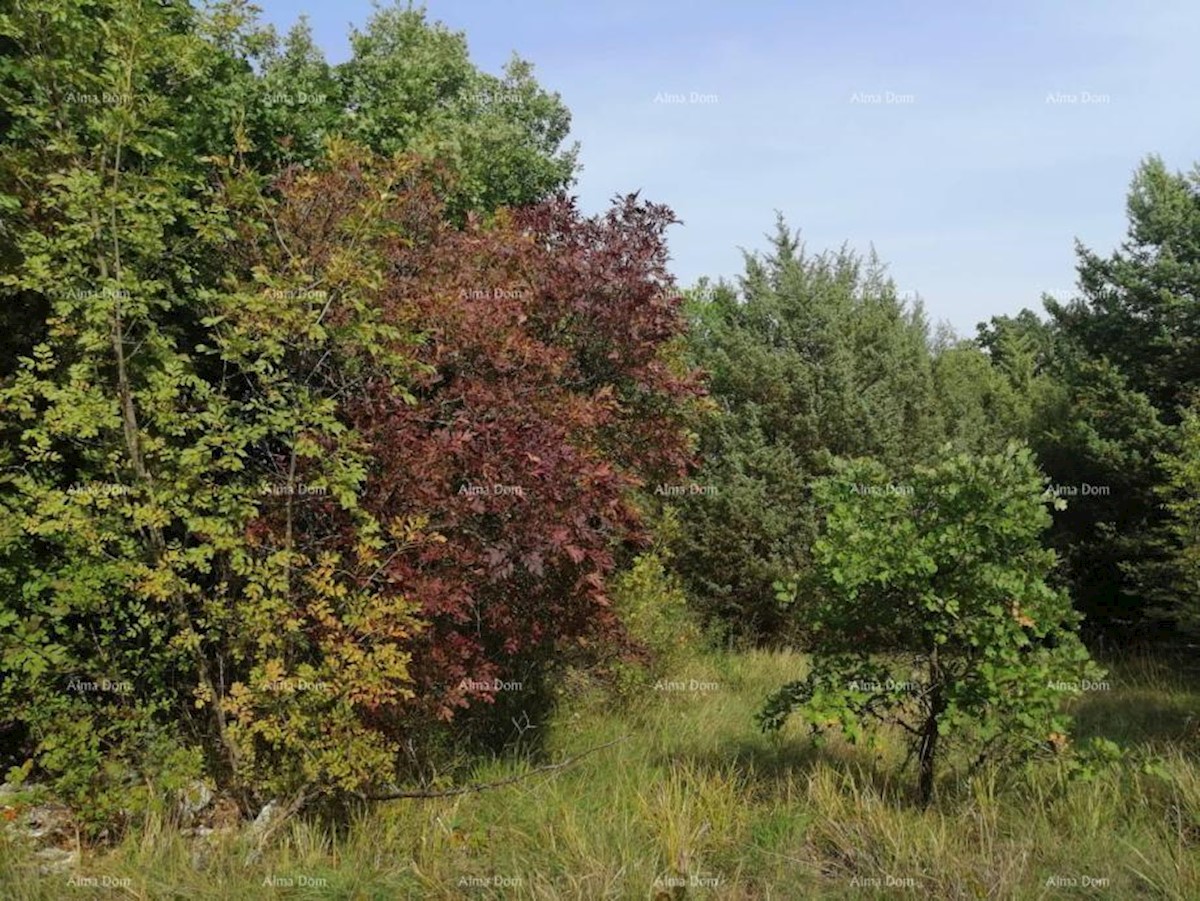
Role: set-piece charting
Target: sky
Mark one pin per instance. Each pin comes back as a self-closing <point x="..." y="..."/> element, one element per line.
<point x="971" y="144"/>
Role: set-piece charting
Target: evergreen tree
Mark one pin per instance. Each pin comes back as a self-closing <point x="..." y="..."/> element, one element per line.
<point x="1128" y="362"/>
<point x="810" y="357"/>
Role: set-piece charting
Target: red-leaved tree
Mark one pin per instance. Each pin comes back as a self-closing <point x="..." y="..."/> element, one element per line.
<point x="548" y="389"/>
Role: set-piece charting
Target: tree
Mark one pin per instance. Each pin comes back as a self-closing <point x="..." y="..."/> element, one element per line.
<point x="229" y="385"/>
<point x="934" y="613"/>
<point x="155" y="627"/>
<point x="980" y="410"/>
<point x="107" y="234"/>
<point x="1021" y="346"/>
<point x="410" y="86"/>
<point x="1102" y="450"/>
<point x="1127" y="357"/>
<point x="552" y="392"/>
<point x="1170" y="579"/>
<point x="809" y="357"/>
<point x="1138" y="308"/>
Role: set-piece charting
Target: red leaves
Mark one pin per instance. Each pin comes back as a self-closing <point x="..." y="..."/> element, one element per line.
<point x="544" y="400"/>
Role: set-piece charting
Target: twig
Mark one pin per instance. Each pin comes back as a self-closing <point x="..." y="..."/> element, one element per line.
<point x="484" y="786"/>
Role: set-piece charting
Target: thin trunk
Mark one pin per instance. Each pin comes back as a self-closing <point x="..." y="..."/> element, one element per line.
<point x="131" y="430"/>
<point x="927" y="755"/>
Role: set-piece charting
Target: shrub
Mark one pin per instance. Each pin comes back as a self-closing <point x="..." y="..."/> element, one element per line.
<point x="935" y="613"/>
<point x="657" y="617"/>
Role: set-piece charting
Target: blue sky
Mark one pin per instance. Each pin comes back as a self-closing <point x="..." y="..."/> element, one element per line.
<point x="971" y="143"/>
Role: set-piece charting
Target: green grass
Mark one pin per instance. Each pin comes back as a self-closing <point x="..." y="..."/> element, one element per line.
<point x="694" y="794"/>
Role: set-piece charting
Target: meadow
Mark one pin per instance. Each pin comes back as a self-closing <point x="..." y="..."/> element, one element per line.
<point x="690" y="800"/>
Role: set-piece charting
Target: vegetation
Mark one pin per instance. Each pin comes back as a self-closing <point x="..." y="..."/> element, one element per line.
<point x="373" y="523"/>
<point x="692" y="803"/>
<point x="936" y="615"/>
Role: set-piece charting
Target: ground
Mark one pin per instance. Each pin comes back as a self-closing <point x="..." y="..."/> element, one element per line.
<point x="693" y="802"/>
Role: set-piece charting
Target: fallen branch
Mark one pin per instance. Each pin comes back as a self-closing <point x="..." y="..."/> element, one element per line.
<point x="484" y="786"/>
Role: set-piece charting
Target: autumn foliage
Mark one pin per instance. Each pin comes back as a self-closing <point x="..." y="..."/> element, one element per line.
<point x="382" y="462"/>
<point x="544" y="391"/>
<point x="547" y="394"/>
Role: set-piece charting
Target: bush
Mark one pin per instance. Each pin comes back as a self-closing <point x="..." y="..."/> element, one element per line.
<point x="657" y="617"/>
<point x="935" y="613"/>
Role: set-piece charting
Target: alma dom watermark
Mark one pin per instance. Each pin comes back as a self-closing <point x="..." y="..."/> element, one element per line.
<point x="488" y="685"/>
<point x="686" y="99"/>
<point x="1083" y="489"/>
<point x="883" y="98"/>
<point x="296" y="881"/>
<point x="490" y="882"/>
<point x="491" y="491"/>
<point x="885" y="881"/>
<point x="1082" y="98"/>
<point x="117" y="882"/>
<point x="689" y="685"/>
<point x="691" y="880"/>
<point x="691" y="488"/>
<point x="1080" y="881"/>
<point x="106" y="686"/>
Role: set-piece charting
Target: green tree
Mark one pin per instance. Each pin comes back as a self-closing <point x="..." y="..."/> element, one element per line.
<point x="1127" y="357"/>
<point x="1021" y="346"/>
<point x="410" y="86"/>
<point x="298" y="103"/>
<point x="934" y="613"/>
<point x="809" y="357"/>
<point x="1103" y="451"/>
<point x="182" y="378"/>
<point x="979" y="409"/>
<point x="1170" y="579"/>
<point x="1137" y="307"/>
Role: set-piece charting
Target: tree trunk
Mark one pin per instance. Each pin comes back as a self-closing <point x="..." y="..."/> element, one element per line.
<point x="927" y="755"/>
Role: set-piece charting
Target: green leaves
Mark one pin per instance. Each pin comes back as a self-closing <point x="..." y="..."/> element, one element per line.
<point x="811" y="356"/>
<point x="934" y="597"/>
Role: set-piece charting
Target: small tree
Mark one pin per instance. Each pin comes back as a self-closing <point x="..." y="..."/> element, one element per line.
<point x="934" y="613"/>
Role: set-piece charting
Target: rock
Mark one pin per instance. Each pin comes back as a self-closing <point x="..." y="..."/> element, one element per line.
<point x="193" y="800"/>
<point x="264" y="818"/>
<point x="47" y="822"/>
<point x="56" y="860"/>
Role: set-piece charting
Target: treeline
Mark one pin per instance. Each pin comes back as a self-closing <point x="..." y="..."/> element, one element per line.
<point x="814" y="357"/>
<point x="326" y="418"/>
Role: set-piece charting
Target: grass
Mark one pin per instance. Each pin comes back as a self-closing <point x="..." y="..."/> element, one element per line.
<point x="696" y="803"/>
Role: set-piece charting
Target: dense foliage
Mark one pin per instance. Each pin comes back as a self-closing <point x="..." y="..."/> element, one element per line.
<point x="410" y="85"/>
<point x="332" y="433"/>
<point x="296" y="464"/>
<point x="934" y="611"/>
<point x="812" y="357"/>
<point x="1124" y="353"/>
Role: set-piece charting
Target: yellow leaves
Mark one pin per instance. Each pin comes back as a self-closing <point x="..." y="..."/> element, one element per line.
<point x="1019" y="615"/>
<point x="320" y="612"/>
<point x="367" y="553"/>
<point x="273" y="670"/>
<point x="150" y="516"/>
<point x="158" y="584"/>
<point x="410" y="531"/>
<point x="203" y="696"/>
<point x="322" y="578"/>
<point x="241" y="140"/>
